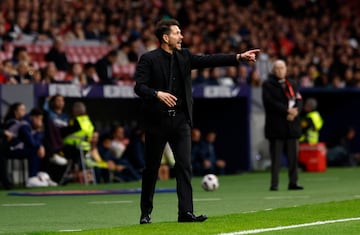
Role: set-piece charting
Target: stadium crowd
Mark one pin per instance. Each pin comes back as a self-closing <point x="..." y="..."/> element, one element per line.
<point x="318" y="39"/>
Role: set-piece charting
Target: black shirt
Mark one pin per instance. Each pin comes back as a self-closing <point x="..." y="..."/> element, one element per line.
<point x="175" y="82"/>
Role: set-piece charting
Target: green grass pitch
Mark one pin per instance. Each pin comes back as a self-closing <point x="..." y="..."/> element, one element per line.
<point x="242" y="204"/>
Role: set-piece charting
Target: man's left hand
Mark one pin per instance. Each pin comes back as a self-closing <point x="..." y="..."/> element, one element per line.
<point x="248" y="56"/>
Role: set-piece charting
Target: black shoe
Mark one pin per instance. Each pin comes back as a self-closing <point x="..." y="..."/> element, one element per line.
<point x="190" y="217"/>
<point x="145" y="219"/>
<point x="274" y="188"/>
<point x="295" y="187"/>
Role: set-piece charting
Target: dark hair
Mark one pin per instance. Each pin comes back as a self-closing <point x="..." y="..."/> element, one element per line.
<point x="112" y="53"/>
<point x="36" y="112"/>
<point x="52" y="100"/>
<point x="17" y="51"/>
<point x="10" y="114"/>
<point x="163" y="27"/>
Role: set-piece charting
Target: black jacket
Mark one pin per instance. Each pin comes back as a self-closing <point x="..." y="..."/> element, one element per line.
<point x="150" y="77"/>
<point x="276" y="105"/>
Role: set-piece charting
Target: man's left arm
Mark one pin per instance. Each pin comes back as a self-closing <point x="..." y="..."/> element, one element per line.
<point x="218" y="60"/>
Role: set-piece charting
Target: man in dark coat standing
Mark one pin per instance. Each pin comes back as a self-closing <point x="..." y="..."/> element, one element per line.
<point x="163" y="82"/>
<point x="282" y="102"/>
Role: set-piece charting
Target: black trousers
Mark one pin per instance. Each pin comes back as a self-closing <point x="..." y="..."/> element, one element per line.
<point x="175" y="130"/>
<point x="289" y="147"/>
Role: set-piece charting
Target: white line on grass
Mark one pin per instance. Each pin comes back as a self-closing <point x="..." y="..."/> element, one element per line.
<point x="110" y="202"/>
<point x="286" y="197"/>
<point x="24" y="204"/>
<point x="206" y="199"/>
<point x="70" y="230"/>
<point x="261" y="230"/>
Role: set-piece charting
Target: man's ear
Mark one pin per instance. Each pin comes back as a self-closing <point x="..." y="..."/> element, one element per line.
<point x="166" y="38"/>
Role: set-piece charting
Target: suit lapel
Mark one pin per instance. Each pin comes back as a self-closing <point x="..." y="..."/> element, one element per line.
<point x="180" y="62"/>
<point x="163" y="69"/>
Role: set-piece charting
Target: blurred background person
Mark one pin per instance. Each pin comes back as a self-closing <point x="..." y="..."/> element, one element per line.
<point x="282" y="102"/>
<point x="27" y="140"/>
<point x="57" y="55"/>
<point x="342" y="153"/>
<point x="167" y="163"/>
<point x="311" y="122"/>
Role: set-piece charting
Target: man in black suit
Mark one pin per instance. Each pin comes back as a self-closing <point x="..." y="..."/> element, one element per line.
<point x="282" y="102"/>
<point x="104" y="68"/>
<point x="163" y="81"/>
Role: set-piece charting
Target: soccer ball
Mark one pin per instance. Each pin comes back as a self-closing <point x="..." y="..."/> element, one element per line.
<point x="210" y="182"/>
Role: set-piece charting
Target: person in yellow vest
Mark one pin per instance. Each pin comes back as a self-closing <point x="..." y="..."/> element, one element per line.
<point x="311" y="122"/>
<point x="80" y="128"/>
<point x="78" y="133"/>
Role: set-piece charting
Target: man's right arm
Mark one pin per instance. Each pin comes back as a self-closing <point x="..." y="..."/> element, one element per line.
<point x="142" y="78"/>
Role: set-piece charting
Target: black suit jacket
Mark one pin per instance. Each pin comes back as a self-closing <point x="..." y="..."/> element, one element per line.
<point x="102" y="67"/>
<point x="150" y="76"/>
<point x="276" y="105"/>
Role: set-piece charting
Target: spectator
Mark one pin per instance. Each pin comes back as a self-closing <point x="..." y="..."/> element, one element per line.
<point x="311" y="122"/>
<point x="55" y="107"/>
<point x="254" y="78"/>
<point x="50" y="73"/>
<point x="57" y="55"/>
<point x="104" y="68"/>
<point x="167" y="163"/>
<point x="136" y="149"/>
<point x="230" y="78"/>
<point x="15" y="113"/>
<point x="107" y="162"/>
<point x="243" y="77"/>
<point x="3" y="77"/>
<point x="24" y="75"/>
<point x="101" y="158"/>
<point x="5" y="137"/>
<point x="123" y="54"/>
<point x="9" y="72"/>
<point x="282" y="35"/>
<point x="211" y="164"/>
<point x="200" y="76"/>
<point x="197" y="152"/>
<point x="76" y="75"/>
<point x="13" y="117"/>
<point x="55" y="118"/>
<point x="27" y="141"/>
<point x="213" y="78"/>
<point x="118" y="147"/>
<point x="90" y="73"/>
<point x="342" y="154"/>
<point x="20" y="54"/>
<point x="77" y="32"/>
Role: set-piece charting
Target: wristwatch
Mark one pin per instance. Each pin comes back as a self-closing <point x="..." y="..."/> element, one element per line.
<point x="155" y="93"/>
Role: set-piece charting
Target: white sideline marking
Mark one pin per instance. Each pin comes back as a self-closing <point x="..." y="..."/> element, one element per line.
<point x="70" y="230"/>
<point x="110" y="202"/>
<point x="206" y="199"/>
<point x="24" y="204"/>
<point x="286" y="197"/>
<point x="261" y="230"/>
<point x="357" y="196"/>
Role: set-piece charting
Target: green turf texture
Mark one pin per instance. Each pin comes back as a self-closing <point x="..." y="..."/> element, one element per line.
<point x="243" y="202"/>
